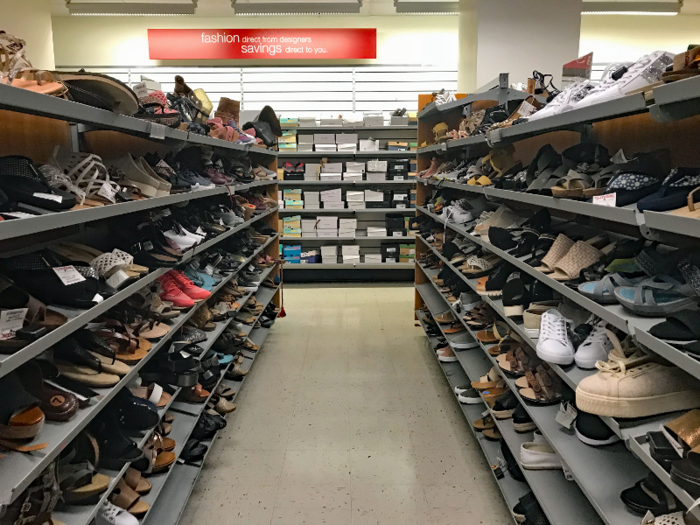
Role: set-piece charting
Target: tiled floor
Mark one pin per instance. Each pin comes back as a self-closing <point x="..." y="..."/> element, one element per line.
<point x="346" y="419"/>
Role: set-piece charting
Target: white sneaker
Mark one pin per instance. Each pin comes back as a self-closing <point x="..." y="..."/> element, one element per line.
<point x="539" y="456"/>
<point x="554" y="107"/>
<point x="554" y="344"/>
<point x="644" y="72"/>
<point x="110" y="514"/>
<point x="595" y="348"/>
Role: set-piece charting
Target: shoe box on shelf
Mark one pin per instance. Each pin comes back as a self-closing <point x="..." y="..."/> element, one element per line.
<point x="326" y="226"/>
<point x="288" y="141"/>
<point x="350" y="176"/>
<point x="351" y="253"/>
<point x="292" y="253"/>
<point x="400" y="199"/>
<point x="324" y="142"/>
<point x="329" y="254"/>
<point x="395" y="225"/>
<point x="376" y="231"/>
<point x="397" y="145"/>
<point x="376" y="176"/>
<point x="373" y="119"/>
<point x="308" y="228"/>
<point x="399" y="120"/>
<point x="390" y="252"/>
<point x="308" y="122"/>
<point x="407" y="253"/>
<point x="377" y="198"/>
<point x="312" y="170"/>
<point x="369" y="144"/>
<point x="305" y="142"/>
<point x="347" y="227"/>
<point x="398" y="169"/>
<point x="311" y="257"/>
<point x="333" y="199"/>
<point x="312" y="200"/>
<point x="292" y="199"/>
<point x="346" y="142"/>
<point x="413" y="195"/>
<point x="373" y="256"/>
<point x="292" y="226"/>
<point x="355" y="199"/>
<point x="331" y="122"/>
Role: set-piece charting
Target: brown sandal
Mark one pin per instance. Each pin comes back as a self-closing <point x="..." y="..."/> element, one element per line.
<point x="544" y="387"/>
<point x="137" y="482"/>
<point x="484" y="423"/>
<point x="128" y="499"/>
<point x="159" y="458"/>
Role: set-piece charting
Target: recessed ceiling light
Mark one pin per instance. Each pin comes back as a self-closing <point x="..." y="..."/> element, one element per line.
<point x="668" y="8"/>
<point x="281" y="8"/>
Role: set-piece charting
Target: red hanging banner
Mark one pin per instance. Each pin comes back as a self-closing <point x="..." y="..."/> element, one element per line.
<point x="202" y="44"/>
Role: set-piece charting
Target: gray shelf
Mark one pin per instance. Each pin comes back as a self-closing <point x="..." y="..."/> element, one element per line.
<point x="452" y="145"/>
<point x="350" y="266"/>
<point x="498" y="94"/>
<point x="324" y="211"/>
<point x="302" y="183"/>
<point x="675" y="224"/>
<point x="324" y="129"/>
<point x="10" y="229"/>
<point x="25" y="101"/>
<point x="283" y="154"/>
<point x="360" y="238"/>
<point x="676" y="100"/>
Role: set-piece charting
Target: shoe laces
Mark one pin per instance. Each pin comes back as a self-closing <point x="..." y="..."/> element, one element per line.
<point x="110" y="511"/>
<point x="619" y="367"/>
<point x="598" y="335"/>
<point x="180" y="279"/>
<point x="169" y="285"/>
<point x="554" y="326"/>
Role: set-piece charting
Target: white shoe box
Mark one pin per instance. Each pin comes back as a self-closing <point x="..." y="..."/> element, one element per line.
<point x="307" y="148"/>
<point x="347" y="223"/>
<point x="350" y="249"/>
<point x="355" y="167"/>
<point x="346" y="138"/>
<point x="305" y="139"/>
<point x="325" y="148"/>
<point x="347" y="148"/>
<point x="376" y="176"/>
<point x="311" y="234"/>
<point x="377" y="165"/>
<point x="355" y="196"/>
<point x="324" y="138"/>
<point x="331" y="176"/>
<point x="327" y="232"/>
<point x="356" y="205"/>
<point x="329" y="254"/>
<point x="374" y="196"/>
<point x="327" y="221"/>
<point x="307" y="122"/>
<point x="369" y="145"/>
<point x="334" y="205"/>
<point x="373" y="119"/>
<point x="312" y="196"/>
<point x="314" y="206"/>
<point x="331" y="121"/>
<point x="308" y="225"/>
<point x="312" y="168"/>
<point x="373" y="231"/>
<point x="373" y="258"/>
<point x="334" y="195"/>
<point x="351" y="259"/>
<point x="332" y="167"/>
<point x="347" y="232"/>
<point x="352" y="176"/>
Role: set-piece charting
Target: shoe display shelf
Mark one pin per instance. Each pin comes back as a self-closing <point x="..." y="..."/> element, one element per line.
<point x="32" y="125"/>
<point x="354" y="129"/>
<point x="346" y="211"/>
<point x="558" y="497"/>
<point x="601" y="473"/>
<point x="21" y="469"/>
<point x="331" y="184"/>
<point x="178" y="485"/>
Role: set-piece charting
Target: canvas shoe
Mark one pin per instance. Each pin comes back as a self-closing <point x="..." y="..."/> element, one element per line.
<point x="446" y="355"/>
<point x="554" y="344"/>
<point x="595" y="348"/>
<point x="539" y="455"/>
<point x="533" y="316"/>
<point x="638" y="386"/>
<point x="469" y="397"/>
<point x="643" y="73"/>
<point x="110" y="514"/>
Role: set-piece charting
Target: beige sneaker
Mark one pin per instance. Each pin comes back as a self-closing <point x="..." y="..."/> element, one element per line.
<point x="638" y="385"/>
<point x="533" y="315"/>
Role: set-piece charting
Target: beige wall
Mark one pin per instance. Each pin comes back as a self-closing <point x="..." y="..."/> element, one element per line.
<point x="123" y="41"/>
<point x="30" y="20"/>
<point x="625" y="38"/>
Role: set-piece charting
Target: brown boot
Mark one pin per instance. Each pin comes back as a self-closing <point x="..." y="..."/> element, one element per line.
<point x="181" y="88"/>
<point x="228" y="110"/>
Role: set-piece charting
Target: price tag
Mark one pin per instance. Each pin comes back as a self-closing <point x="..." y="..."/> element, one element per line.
<point x="485" y="413"/>
<point x="141" y="90"/>
<point x="157" y="131"/>
<point x="390" y="260"/>
<point x="526" y="109"/>
<point x="68" y="275"/>
<point x="108" y="192"/>
<point x="400" y="206"/>
<point x="397" y="234"/>
<point x="221" y="222"/>
<point x="97" y="298"/>
<point x="397" y="177"/>
<point x="648" y="518"/>
<point x="48" y="197"/>
<point x="567" y="415"/>
<point x="606" y="200"/>
<point x="209" y="270"/>
<point x="11" y="321"/>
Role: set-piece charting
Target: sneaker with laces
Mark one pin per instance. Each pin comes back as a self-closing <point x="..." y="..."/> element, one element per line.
<point x="554" y="344"/>
<point x="188" y="287"/>
<point x="110" y="514"/>
<point x="595" y="348"/>
<point x="172" y="293"/>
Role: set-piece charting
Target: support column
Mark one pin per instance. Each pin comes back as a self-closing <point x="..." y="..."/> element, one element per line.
<point x="30" y="20"/>
<point x="516" y="37"/>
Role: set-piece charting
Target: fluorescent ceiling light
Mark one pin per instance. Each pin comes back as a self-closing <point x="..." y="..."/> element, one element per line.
<point x="286" y="8"/>
<point x="97" y="8"/>
<point x="426" y="7"/>
<point x="671" y="8"/>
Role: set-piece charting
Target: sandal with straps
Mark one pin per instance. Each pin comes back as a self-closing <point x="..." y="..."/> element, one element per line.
<point x="480" y="266"/>
<point x="544" y="387"/>
<point x="77" y="475"/>
<point x="499" y="330"/>
<point x="17" y="71"/>
<point x="88" y="173"/>
<point x="127" y="348"/>
<point x="128" y="499"/>
<point x="518" y="361"/>
<point x="156" y="457"/>
<point x="136" y="482"/>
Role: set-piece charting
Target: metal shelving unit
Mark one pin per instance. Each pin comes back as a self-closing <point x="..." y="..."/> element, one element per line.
<point x="312" y="183"/>
<point x="341" y="129"/>
<point x="283" y="154"/>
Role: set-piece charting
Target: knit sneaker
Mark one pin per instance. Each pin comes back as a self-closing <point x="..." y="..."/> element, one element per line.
<point x="195" y="292"/>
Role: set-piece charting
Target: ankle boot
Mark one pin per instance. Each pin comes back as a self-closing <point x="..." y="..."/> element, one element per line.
<point x="228" y="110"/>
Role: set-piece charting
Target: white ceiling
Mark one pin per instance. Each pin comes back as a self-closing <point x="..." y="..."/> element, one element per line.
<point x="222" y="8"/>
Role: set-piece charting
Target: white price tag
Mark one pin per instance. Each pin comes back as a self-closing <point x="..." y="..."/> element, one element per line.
<point x="221" y="222"/>
<point x="118" y="278"/>
<point x="400" y="206"/>
<point x="48" y="197"/>
<point x="11" y="321"/>
<point x="390" y="260"/>
<point x="397" y="177"/>
<point x="648" y="518"/>
<point x="68" y="275"/>
<point x="157" y="131"/>
<point x="97" y="298"/>
<point x="485" y="413"/>
<point x="526" y="109"/>
<point x="606" y="200"/>
<point x="567" y="415"/>
<point x="397" y="234"/>
<point x="619" y="157"/>
<point x="140" y="89"/>
<point x="108" y="192"/>
<point x="209" y="270"/>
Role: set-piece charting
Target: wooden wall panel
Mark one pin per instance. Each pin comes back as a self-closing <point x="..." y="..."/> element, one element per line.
<point x="33" y="137"/>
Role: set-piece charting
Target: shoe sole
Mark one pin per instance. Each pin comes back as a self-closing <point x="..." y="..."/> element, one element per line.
<point x="514" y="311"/>
<point x="447" y="359"/>
<point x="532" y="333"/>
<point x="596" y="442"/>
<point x="502" y="414"/>
<point x="464" y="346"/>
<point x="469" y="400"/>
<point x="554" y="358"/>
<point x="521" y="428"/>
<point x="586" y="365"/>
<point x="636" y="407"/>
<point x="540" y="467"/>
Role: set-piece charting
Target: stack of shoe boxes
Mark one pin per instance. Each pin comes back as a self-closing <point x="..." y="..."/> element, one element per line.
<point x="377" y="170"/>
<point x="399" y="199"/>
<point x="329" y="254"/>
<point x="292" y="254"/>
<point x="351" y="254"/>
<point x="395" y="225"/>
<point x="332" y="171"/>
<point x="391" y="253"/>
<point x="397" y="145"/>
<point x="307" y="122"/>
<point x="333" y="199"/>
<point x="373" y="256"/>
<point x="346" y="142"/>
<point x="305" y="142"/>
<point x="376" y="231"/>
<point x="288" y="141"/>
<point x="312" y="200"/>
<point x="355" y="199"/>
<point x="326" y="226"/>
<point x="324" y="142"/>
<point x="311" y="171"/>
<point x="398" y="169"/>
<point x="376" y="199"/>
<point x="292" y="199"/>
<point x="347" y="227"/>
<point x="369" y="144"/>
<point x="414" y="197"/>
<point x="354" y="171"/>
<point x="407" y="253"/>
<point x="292" y="226"/>
<point x="308" y="228"/>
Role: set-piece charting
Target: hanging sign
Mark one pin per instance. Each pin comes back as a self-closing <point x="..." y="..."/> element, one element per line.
<point x="202" y="44"/>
